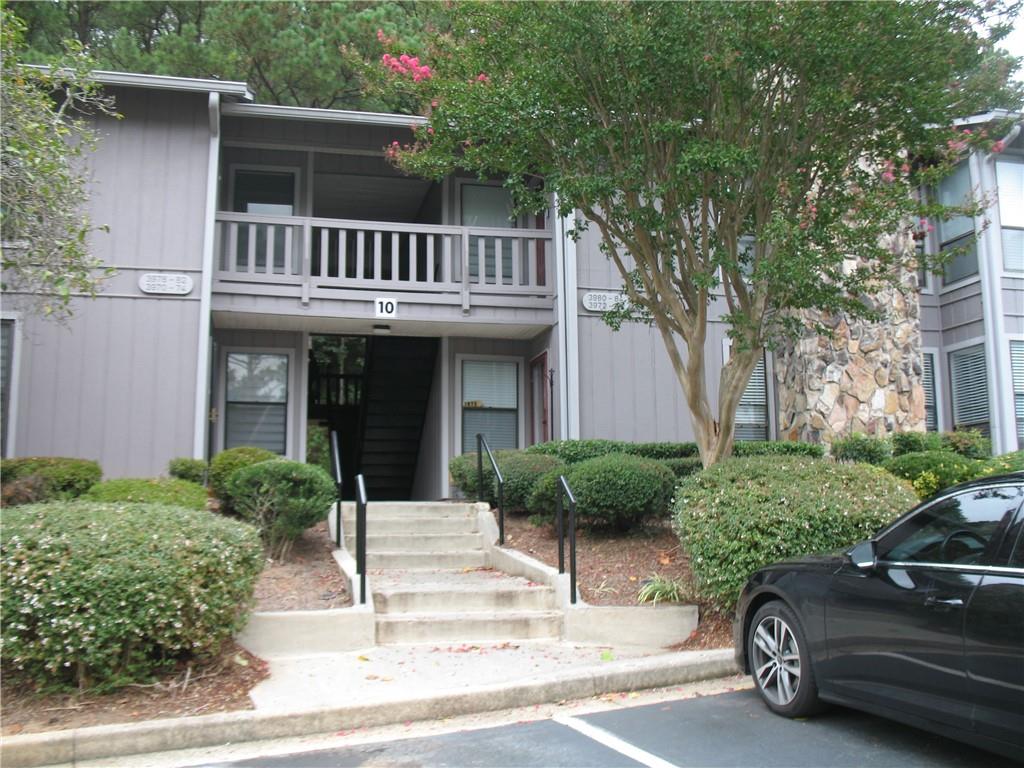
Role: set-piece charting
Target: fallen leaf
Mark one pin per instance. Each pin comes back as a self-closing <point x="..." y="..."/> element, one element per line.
<point x="362" y="658"/>
<point x="241" y="661"/>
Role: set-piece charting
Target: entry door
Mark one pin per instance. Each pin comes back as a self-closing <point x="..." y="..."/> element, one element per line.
<point x="540" y="431"/>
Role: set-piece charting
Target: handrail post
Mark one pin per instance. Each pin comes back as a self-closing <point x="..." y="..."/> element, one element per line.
<point x="479" y="467"/>
<point x="481" y="446"/>
<point x="563" y="488"/>
<point x="336" y="467"/>
<point x="572" y="550"/>
<point x="559" y="527"/>
<point x="361" y="536"/>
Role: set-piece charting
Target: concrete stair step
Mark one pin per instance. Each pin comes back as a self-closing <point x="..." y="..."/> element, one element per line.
<point x="446" y="600"/>
<point x="377" y="526"/>
<point x="415" y="542"/>
<point x="472" y="626"/>
<point x="426" y="560"/>
<point x="395" y="509"/>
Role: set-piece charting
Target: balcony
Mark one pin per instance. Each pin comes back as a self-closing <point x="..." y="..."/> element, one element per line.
<point x="314" y="260"/>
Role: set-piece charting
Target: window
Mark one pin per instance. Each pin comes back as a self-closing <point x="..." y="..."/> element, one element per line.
<point x="6" y="377"/>
<point x="752" y="411"/>
<point x="490" y="403"/>
<point x="931" y="410"/>
<point x="969" y="388"/>
<point x="956" y="236"/>
<point x="486" y="205"/>
<point x="256" y="401"/>
<point x="1010" y="177"/>
<point x="266" y="193"/>
<point x="1017" y="368"/>
<point x="956" y="530"/>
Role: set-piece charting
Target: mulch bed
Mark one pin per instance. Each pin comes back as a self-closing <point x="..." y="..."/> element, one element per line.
<point x="308" y="580"/>
<point x="611" y="568"/>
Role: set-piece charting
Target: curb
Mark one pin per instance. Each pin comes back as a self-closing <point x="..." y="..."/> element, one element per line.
<point x="210" y="730"/>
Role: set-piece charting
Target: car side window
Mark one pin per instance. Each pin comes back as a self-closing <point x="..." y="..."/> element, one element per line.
<point x="957" y="530"/>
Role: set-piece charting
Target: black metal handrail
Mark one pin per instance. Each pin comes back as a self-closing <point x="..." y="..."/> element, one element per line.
<point x="336" y="471"/>
<point x="481" y="446"/>
<point x="564" y="490"/>
<point x="361" y="536"/>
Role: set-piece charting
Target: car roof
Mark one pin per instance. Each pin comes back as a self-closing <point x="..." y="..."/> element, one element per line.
<point x="983" y="482"/>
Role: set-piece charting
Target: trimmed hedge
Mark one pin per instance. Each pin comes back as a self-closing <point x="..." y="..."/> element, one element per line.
<point x="193" y="470"/>
<point x="101" y="595"/>
<point x="520" y="469"/>
<point x="915" y="442"/>
<point x="969" y="443"/>
<point x="663" y="451"/>
<point x="1001" y="465"/>
<point x="946" y="469"/>
<point x="742" y="514"/>
<point x="618" y="491"/>
<point x="861" y="448"/>
<point x="318" y="447"/>
<point x="160" y="490"/>
<point x="575" y="451"/>
<point x="225" y="463"/>
<point x="743" y="448"/>
<point x="684" y="467"/>
<point x="283" y="498"/>
<point x="61" y="478"/>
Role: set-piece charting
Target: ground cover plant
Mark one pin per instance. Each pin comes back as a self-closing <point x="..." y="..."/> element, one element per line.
<point x="745" y="513"/>
<point x="157" y="490"/>
<point x="41" y="478"/>
<point x="101" y="595"/>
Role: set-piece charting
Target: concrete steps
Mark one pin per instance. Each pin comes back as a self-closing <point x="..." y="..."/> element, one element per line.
<point x="431" y="583"/>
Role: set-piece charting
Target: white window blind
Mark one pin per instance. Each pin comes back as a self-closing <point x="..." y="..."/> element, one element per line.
<point x="490" y="403"/>
<point x="955" y="190"/>
<point x="931" y="413"/>
<point x="256" y="404"/>
<point x="752" y="411"/>
<point x="969" y="381"/>
<point x="1010" y="177"/>
<point x="1017" y="367"/>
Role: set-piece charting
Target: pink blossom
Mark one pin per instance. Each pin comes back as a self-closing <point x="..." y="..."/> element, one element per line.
<point x="966" y="131"/>
<point x="433" y="103"/>
<point x="483" y="78"/>
<point x="888" y="176"/>
<point x="999" y="146"/>
<point x="905" y="168"/>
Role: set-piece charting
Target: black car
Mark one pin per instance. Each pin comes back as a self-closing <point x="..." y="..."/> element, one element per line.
<point x="923" y="624"/>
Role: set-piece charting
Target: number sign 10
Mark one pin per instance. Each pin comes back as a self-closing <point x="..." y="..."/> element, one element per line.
<point x="385" y="306"/>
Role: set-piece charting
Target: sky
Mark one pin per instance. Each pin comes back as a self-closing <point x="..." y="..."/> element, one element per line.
<point x="1014" y="43"/>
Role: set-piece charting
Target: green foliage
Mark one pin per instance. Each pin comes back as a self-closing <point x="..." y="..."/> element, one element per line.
<point x="463" y="471"/>
<point x="283" y="498"/>
<point x="742" y="514"/>
<point x="159" y="490"/>
<point x="61" y="478"/>
<point x="684" y="467"/>
<point x="520" y="469"/>
<point x="225" y="463"/>
<point x="100" y="595"/>
<point x="861" y="448"/>
<point x="616" y="491"/>
<point x="575" y="451"/>
<point x="969" y="443"/>
<point x="745" y="448"/>
<point x="662" y="450"/>
<point x="946" y="467"/>
<point x="193" y="470"/>
<point x="25" y="490"/>
<point x="660" y="588"/>
<point x="1001" y="465"/>
<point x="318" y="447"/>
<point x="43" y="141"/>
<point x="927" y="484"/>
<point x="914" y="442"/>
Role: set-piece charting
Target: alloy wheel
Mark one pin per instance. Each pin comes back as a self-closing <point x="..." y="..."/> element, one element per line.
<point x="776" y="660"/>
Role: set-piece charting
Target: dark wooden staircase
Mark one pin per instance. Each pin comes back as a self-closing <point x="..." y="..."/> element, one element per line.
<point x="399" y="375"/>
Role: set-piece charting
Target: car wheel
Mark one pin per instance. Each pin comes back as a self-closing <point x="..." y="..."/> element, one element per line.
<point x="780" y="663"/>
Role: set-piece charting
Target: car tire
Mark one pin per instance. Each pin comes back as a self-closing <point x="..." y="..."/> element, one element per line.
<point x="780" y="662"/>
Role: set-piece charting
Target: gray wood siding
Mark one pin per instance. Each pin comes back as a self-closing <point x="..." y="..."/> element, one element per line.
<point x="116" y="385"/>
<point x="961" y="314"/>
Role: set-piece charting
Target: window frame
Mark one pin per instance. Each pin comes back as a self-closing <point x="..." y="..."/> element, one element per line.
<point x="293" y="394"/>
<point x="939" y="242"/>
<point x="1007" y="160"/>
<point x="953" y="349"/>
<point x="520" y="397"/>
<point x="769" y="390"/>
<point x="1012" y="339"/>
<point x="295" y="170"/>
<point x="10" y="427"/>
<point x="936" y="355"/>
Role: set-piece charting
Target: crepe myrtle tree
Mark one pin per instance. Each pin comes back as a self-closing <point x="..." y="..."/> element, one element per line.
<point x="751" y="158"/>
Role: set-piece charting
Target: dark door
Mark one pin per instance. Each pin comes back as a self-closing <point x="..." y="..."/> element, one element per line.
<point x="895" y="634"/>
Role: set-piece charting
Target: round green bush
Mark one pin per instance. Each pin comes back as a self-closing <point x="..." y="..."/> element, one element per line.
<point x="616" y="491"/>
<point x="283" y="498"/>
<point x="225" y="463"/>
<point x="193" y="470"/>
<point x="741" y="514"/>
<point x="61" y="478"/>
<point x="318" y="447"/>
<point x="159" y="490"/>
<point x="463" y="472"/>
<point x="743" y="448"/>
<point x="1001" y="465"/>
<point x="861" y="448"/>
<point x="948" y="468"/>
<point x="520" y="469"/>
<point x="914" y="442"/>
<point x="100" y="595"/>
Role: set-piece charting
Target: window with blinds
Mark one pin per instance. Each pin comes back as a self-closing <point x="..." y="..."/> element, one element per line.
<point x="931" y="410"/>
<point x="256" y="403"/>
<point x="969" y="388"/>
<point x="752" y="411"/>
<point x="490" y="403"/>
<point x="1010" y="177"/>
<point x="956" y="236"/>
<point x="1017" y="367"/>
<point x="6" y="366"/>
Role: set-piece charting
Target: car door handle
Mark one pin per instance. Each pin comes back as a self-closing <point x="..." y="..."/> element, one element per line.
<point x="943" y="603"/>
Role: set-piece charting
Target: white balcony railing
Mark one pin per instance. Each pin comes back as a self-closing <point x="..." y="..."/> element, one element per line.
<point x="317" y="257"/>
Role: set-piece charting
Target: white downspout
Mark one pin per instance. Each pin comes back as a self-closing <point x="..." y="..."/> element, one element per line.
<point x="560" y="310"/>
<point x="206" y="285"/>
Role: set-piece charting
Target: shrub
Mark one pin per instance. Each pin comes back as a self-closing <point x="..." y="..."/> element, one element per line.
<point x="662" y="450"/>
<point x="283" y="498"/>
<point x="969" y="443"/>
<point x="30" y="489"/>
<point x="463" y="470"/>
<point x="742" y="514"/>
<point x="661" y="588"/>
<point x="62" y="478"/>
<point x="947" y="468"/>
<point x="193" y="470"/>
<point x="1000" y="465"/>
<point x="520" y="469"/>
<point x="684" y="467"/>
<point x="575" y="451"/>
<point x="106" y="594"/>
<point x="743" y="448"/>
<point x="318" y="447"/>
<point x="225" y="463"/>
<point x="861" y="448"/>
<point x="160" y="490"/>
<point x="914" y="442"/>
<point x="617" y="491"/>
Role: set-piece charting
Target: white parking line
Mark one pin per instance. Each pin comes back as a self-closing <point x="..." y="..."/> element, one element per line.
<point x="601" y="736"/>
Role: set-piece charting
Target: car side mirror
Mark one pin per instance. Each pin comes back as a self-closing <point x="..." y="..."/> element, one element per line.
<point x="863" y="555"/>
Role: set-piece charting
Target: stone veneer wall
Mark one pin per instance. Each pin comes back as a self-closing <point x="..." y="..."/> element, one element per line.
<point x="866" y="378"/>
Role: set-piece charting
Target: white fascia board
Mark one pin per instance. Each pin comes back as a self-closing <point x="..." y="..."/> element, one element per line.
<point x="988" y="117"/>
<point x="226" y="88"/>
<point x="322" y="115"/>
